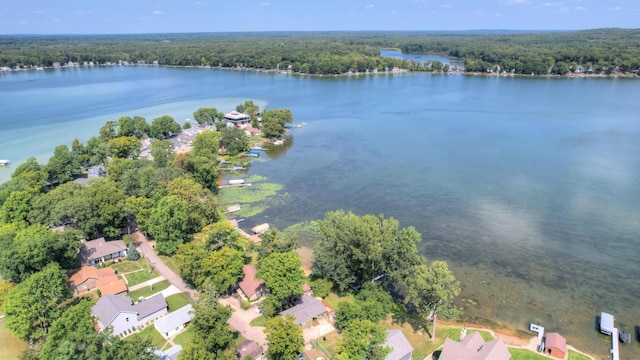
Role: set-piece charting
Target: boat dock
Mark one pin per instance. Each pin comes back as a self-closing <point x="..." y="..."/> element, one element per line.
<point x="4" y="162"/>
<point x="606" y="327"/>
<point x="232" y="185"/>
<point x="235" y="168"/>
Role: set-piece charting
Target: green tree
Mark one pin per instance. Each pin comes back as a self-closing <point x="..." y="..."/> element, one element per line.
<point x="5" y="287"/>
<point x="355" y="249"/>
<point x="225" y="269"/>
<point x="107" y="205"/>
<point x="274" y="121"/>
<point x="206" y="144"/>
<point x="163" y="126"/>
<point x="97" y="150"/>
<point x="126" y="126"/>
<point x="202" y="205"/>
<point x="124" y="147"/>
<point x="141" y="127"/>
<point x="321" y="287"/>
<point x="184" y="162"/>
<point x="282" y="275"/>
<point x="162" y="152"/>
<point x="276" y="241"/>
<point x="168" y="224"/>
<point x="141" y="208"/>
<point x="208" y="115"/>
<point x="34" y="304"/>
<point x="431" y="289"/>
<point x="363" y="339"/>
<point x="285" y="338"/>
<point x="189" y="259"/>
<point x="212" y="338"/>
<point x="63" y="165"/>
<point x="205" y="172"/>
<point x="16" y="207"/>
<point x="249" y="108"/>
<point x="234" y="140"/>
<point x="221" y="234"/>
<point x="132" y="252"/>
<point x="108" y="131"/>
<point x="34" y="174"/>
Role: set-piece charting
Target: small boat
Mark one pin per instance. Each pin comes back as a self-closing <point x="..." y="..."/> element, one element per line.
<point x="4" y="162"/>
<point x="625" y="337"/>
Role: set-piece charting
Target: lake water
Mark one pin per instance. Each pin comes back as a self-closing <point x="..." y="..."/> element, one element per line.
<point x="530" y="188"/>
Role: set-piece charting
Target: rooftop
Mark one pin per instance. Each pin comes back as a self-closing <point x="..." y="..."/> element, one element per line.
<point x="249" y="283"/>
<point x="306" y="309"/>
<point x="98" y="248"/>
<point x="399" y="345"/>
<point x="175" y="319"/>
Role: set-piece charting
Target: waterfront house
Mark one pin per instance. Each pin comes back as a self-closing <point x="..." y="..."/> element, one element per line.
<point x="237" y="119"/>
<point x="473" y="347"/>
<point x="99" y="250"/>
<point x="174" y="322"/>
<point x="307" y="311"/>
<point x="400" y="347"/>
<point x="555" y="345"/>
<point x="252" y="288"/>
<point x="123" y="315"/>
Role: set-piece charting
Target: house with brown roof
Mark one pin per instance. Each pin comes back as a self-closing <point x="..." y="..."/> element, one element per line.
<point x="88" y="278"/>
<point x="473" y="347"/>
<point x="249" y="348"/>
<point x="555" y="345"/>
<point x="122" y="314"/>
<point x="307" y="311"/>
<point x="99" y="250"/>
<point x="252" y="288"/>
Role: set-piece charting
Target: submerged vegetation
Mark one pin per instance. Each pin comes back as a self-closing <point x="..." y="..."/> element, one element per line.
<point x="599" y="51"/>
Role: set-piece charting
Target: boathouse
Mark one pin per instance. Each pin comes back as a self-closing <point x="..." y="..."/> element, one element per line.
<point x="555" y="345"/>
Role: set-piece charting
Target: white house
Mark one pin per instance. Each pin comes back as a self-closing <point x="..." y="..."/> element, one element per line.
<point x="174" y="322"/>
<point x="120" y="312"/>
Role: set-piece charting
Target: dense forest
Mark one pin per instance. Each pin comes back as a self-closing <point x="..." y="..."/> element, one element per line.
<point x="600" y="51"/>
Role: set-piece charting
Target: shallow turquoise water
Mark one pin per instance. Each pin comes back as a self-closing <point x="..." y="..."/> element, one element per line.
<point x="528" y="187"/>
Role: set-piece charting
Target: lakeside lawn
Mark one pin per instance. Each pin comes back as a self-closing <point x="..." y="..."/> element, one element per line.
<point x="139" y="277"/>
<point x="156" y="338"/>
<point x="176" y="301"/>
<point x="147" y="291"/>
<point x="577" y="356"/>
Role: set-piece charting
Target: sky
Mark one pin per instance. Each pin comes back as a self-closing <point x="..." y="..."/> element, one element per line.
<point x="171" y="16"/>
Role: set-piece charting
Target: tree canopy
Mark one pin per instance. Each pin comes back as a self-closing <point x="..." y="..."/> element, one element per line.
<point x="163" y="126"/>
<point x="274" y="121"/>
<point x="285" y="338"/>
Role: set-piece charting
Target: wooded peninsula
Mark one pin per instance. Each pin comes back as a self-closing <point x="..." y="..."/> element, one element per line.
<point x="591" y="52"/>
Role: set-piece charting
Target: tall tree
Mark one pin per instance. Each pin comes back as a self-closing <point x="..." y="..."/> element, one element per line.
<point x="124" y="147"/>
<point x="225" y="269"/>
<point x="202" y="205"/>
<point x="274" y="121"/>
<point x="34" y="304"/>
<point x="275" y="240"/>
<point x="234" y="140"/>
<point x="362" y="339"/>
<point x="16" y="207"/>
<point x="221" y="234"/>
<point x="431" y="289"/>
<point x="355" y="249"/>
<point x="162" y="152"/>
<point x="206" y="144"/>
<point x="249" y="108"/>
<point x="282" y="275"/>
<point x="189" y="259"/>
<point x="212" y="338"/>
<point x="285" y="338"/>
<point x="168" y="224"/>
<point x="163" y="126"/>
<point x="208" y="115"/>
<point x="63" y="164"/>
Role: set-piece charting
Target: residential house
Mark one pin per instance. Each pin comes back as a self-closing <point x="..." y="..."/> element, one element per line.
<point x="122" y="314"/>
<point x="251" y="131"/>
<point x="400" y="347"/>
<point x="98" y="251"/>
<point x="249" y="348"/>
<point x="252" y="288"/>
<point x="88" y="278"/>
<point x="171" y="353"/>
<point x="97" y="171"/>
<point x="174" y="322"/>
<point x="307" y="311"/>
<point x="237" y="119"/>
<point x="555" y="345"/>
<point x="473" y="347"/>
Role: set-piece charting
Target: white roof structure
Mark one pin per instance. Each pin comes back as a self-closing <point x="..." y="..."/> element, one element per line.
<point x="174" y="320"/>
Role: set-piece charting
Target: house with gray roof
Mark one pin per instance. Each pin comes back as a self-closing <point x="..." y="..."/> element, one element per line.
<point x="122" y="314"/>
<point x="171" y="353"/>
<point x="99" y="250"/>
<point x="307" y="311"/>
<point x="174" y="322"/>
<point x="473" y="347"/>
<point x="400" y="347"/>
<point x="237" y="119"/>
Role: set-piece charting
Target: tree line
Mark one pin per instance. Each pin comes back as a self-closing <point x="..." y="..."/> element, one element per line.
<point x="599" y="51"/>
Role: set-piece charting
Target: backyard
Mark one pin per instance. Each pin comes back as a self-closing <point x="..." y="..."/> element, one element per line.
<point x="148" y="291"/>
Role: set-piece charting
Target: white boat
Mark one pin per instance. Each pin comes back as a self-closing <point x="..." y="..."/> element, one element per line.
<point x="4" y="162"/>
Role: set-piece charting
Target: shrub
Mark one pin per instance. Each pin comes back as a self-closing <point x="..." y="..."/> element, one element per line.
<point x="245" y="305"/>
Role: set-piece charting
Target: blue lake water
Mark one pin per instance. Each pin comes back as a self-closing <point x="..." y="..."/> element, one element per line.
<point x="528" y="187"/>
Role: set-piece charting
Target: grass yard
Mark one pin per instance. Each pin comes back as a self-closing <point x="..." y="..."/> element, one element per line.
<point x="330" y="341"/>
<point x="184" y="337"/>
<point x="156" y="338"/>
<point x="170" y="264"/>
<point x="334" y="299"/>
<point x="176" y="301"/>
<point x="577" y="356"/>
<point x="524" y="354"/>
<point x="148" y="291"/>
<point x="126" y="266"/>
<point x="259" y="321"/>
<point x="139" y="277"/>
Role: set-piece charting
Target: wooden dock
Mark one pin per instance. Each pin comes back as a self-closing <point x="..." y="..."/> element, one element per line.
<point x="232" y="185"/>
<point x="614" y="345"/>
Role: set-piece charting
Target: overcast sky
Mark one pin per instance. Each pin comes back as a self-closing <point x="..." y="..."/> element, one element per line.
<point x="165" y="16"/>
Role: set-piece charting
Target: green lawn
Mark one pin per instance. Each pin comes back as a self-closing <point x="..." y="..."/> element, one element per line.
<point x="170" y="264"/>
<point x="148" y="291"/>
<point x="524" y="354"/>
<point x="259" y="321"/>
<point x="334" y="299"/>
<point x="176" y="301"/>
<point x="576" y="356"/>
<point x="184" y="337"/>
<point x="140" y="276"/>
<point x="156" y="337"/>
<point x="126" y="266"/>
